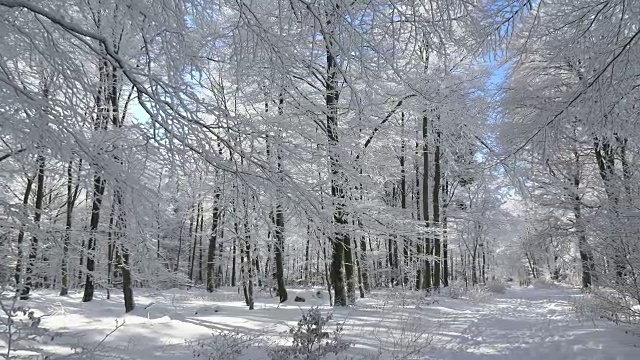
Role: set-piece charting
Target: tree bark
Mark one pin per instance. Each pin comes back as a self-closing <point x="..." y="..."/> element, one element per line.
<point x="358" y="268"/>
<point x="426" y="285"/>
<point x="445" y="240"/>
<point x="194" y="246"/>
<point x="307" y="275"/>
<point x="121" y="228"/>
<point x="586" y="256"/>
<point x="363" y="263"/>
<point x="403" y="199"/>
<point x="64" y="289"/>
<point x="177" y="266"/>
<point x="605" y="158"/>
<point x="248" y="264"/>
<point x="474" y="269"/>
<point x="339" y="238"/>
<point x="189" y="257"/>
<point x="33" y="248"/>
<point x="234" y="253"/>
<point x="25" y="202"/>
<point x="483" y="270"/>
<point x="101" y="122"/>
<point x="278" y="250"/>
<point x="348" y="269"/>
<point x="111" y="246"/>
<point x="200" y="247"/>
<point x="436" y="212"/>
<point x="220" y="275"/>
<point x="419" y="249"/>
<point x="278" y="219"/>
<point x="121" y="225"/>
<point x="211" y="254"/>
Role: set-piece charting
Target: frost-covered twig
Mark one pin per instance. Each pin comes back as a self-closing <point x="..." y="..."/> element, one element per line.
<point x="81" y="352"/>
<point x="118" y="326"/>
<point x="19" y="325"/>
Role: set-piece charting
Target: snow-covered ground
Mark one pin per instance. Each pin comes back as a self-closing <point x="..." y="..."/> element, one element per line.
<point x="522" y="324"/>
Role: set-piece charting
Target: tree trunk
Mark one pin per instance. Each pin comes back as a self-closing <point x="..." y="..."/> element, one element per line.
<point x="605" y="158"/>
<point x="348" y="269"/>
<point x="419" y="250"/>
<point x="484" y="264"/>
<point x="403" y="200"/>
<point x="81" y="260"/>
<point x="396" y="259"/>
<point x="364" y="265"/>
<point x="211" y="254"/>
<point x="127" y="289"/>
<point x="318" y="276"/>
<point x="219" y="277"/>
<point x="463" y="266"/>
<point x="64" y="289"/>
<point x="189" y="257"/>
<point x="177" y="266"/>
<point x="358" y="268"/>
<point x="121" y="228"/>
<point x="426" y="285"/>
<point x="234" y="255"/>
<point x="194" y="245"/>
<point x="33" y="248"/>
<point x="121" y="225"/>
<point x="474" y="269"/>
<point x="586" y="256"/>
<point x="425" y="202"/>
<point x="445" y="240"/>
<point x="200" y="251"/>
<point x="363" y="261"/>
<point x="248" y="264"/>
<point x="278" y="219"/>
<point x="327" y="275"/>
<point x="436" y="212"/>
<point x="25" y="202"/>
<point x="101" y="123"/>
<point x="111" y="245"/>
<point x="243" y="267"/>
<point x="307" y="276"/>
<point x="339" y="238"/>
<point x="267" y="264"/>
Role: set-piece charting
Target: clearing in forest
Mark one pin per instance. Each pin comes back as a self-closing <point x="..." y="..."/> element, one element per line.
<point x="524" y="323"/>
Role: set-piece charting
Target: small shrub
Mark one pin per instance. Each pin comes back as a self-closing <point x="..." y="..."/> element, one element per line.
<point x="311" y="340"/>
<point x="478" y="293"/>
<point x="456" y="289"/>
<point x="407" y="340"/>
<point x="224" y="345"/>
<point x="608" y="304"/>
<point x="496" y="287"/>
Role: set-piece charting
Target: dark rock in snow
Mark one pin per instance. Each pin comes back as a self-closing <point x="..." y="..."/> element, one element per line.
<point x="299" y="299"/>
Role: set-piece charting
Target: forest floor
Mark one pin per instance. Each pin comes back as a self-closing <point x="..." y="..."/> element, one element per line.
<point x="522" y="324"/>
